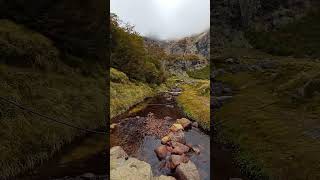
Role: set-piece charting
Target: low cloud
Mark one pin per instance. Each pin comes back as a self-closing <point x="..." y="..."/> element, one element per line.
<point x="164" y="19"/>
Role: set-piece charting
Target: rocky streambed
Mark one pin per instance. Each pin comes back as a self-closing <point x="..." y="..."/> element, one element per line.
<point x="161" y="136"/>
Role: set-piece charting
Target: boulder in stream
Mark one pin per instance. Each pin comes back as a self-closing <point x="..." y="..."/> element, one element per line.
<point x="177" y="137"/>
<point x="186" y="123"/>
<point x="165" y="139"/>
<point x="132" y="169"/>
<point x="176" y="160"/>
<point x="176" y="127"/>
<point x="187" y="171"/>
<point x="161" y="152"/>
<point x="179" y="148"/>
<point x="123" y="167"/>
<point x="117" y="156"/>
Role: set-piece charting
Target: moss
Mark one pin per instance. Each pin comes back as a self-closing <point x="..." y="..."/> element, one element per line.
<point x="195" y="102"/>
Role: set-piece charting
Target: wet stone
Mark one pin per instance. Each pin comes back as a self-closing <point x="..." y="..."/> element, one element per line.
<point x="161" y="152"/>
<point x="179" y="148"/>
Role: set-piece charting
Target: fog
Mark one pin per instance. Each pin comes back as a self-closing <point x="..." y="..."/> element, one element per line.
<point x="164" y="19"/>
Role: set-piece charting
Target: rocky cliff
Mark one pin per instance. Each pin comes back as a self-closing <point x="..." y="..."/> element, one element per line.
<point x="186" y="54"/>
<point x="230" y="18"/>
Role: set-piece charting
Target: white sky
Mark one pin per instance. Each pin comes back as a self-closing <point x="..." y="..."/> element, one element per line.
<point x="164" y="19"/>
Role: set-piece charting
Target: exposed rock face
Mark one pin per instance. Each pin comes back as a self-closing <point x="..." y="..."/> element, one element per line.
<point x="191" y="53"/>
<point x="180" y="66"/>
<point x="197" y="44"/>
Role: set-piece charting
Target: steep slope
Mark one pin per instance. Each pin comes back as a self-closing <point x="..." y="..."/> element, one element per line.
<point x="197" y="45"/>
<point x="187" y="54"/>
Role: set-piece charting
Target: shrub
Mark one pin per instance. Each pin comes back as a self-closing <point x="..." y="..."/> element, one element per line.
<point x="129" y="54"/>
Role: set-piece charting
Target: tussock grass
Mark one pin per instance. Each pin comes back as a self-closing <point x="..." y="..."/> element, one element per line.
<point x="27" y="140"/>
<point x="195" y="102"/>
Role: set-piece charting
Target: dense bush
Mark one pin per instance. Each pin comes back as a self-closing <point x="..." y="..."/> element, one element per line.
<point x="129" y="54"/>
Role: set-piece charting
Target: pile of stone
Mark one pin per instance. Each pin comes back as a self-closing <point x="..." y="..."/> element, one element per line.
<point x="174" y="151"/>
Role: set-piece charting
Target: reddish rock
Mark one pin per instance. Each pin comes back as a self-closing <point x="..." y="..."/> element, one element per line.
<point x="179" y="148"/>
<point x="175" y="160"/>
<point x="161" y="152"/>
<point x="170" y="149"/>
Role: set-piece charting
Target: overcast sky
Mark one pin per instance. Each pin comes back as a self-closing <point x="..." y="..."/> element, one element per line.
<point x="164" y="19"/>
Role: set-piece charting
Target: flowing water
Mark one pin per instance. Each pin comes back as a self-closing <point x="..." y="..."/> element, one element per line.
<point x="132" y="135"/>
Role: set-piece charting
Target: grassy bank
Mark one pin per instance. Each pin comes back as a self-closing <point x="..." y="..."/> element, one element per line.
<point x="269" y="124"/>
<point x="195" y="102"/>
<point x="125" y="93"/>
<point x="34" y="73"/>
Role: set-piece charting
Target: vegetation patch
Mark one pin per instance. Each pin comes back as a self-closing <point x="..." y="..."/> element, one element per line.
<point x="125" y="93"/>
<point x="195" y="102"/>
<point x="203" y="73"/>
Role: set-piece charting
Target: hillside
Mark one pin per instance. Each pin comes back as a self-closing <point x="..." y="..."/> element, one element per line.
<point x="265" y="87"/>
<point x="38" y="75"/>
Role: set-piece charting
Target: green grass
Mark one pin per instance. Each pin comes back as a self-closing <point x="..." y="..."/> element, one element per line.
<point x="203" y="73"/>
<point x="27" y="140"/>
<point x="300" y="38"/>
<point x="195" y="102"/>
<point x="267" y="126"/>
<point x="125" y="93"/>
